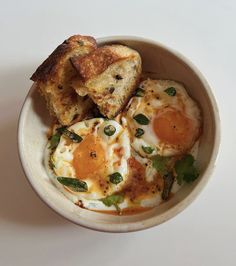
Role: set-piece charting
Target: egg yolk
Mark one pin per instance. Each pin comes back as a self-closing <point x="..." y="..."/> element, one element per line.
<point x="89" y="158"/>
<point x="173" y="127"/>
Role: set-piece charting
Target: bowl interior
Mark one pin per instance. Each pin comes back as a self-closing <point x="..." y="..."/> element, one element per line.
<point x="161" y="63"/>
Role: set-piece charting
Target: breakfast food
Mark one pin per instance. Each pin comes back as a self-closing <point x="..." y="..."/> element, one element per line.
<point x="163" y="118"/>
<point x="111" y="74"/>
<point x="99" y="157"/>
<point x="131" y="148"/>
<point x="54" y="77"/>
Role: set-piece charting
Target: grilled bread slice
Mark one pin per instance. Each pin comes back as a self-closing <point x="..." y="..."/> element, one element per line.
<point x="110" y="75"/>
<point x="54" y="80"/>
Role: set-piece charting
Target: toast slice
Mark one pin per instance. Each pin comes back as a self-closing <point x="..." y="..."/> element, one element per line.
<point x="55" y="77"/>
<point x="110" y="75"/>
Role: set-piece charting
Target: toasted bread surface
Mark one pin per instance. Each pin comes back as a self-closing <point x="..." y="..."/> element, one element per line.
<point x="54" y="80"/>
<point x="110" y="75"/>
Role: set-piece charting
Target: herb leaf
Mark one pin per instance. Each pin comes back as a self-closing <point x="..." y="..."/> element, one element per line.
<point x="116" y="178"/>
<point x="139" y="92"/>
<point x="54" y="141"/>
<point x="168" y="183"/>
<point x="141" y="119"/>
<point x="114" y="199"/>
<point x="61" y="130"/>
<point x="139" y="132"/>
<point x="170" y="91"/>
<point x="160" y="164"/>
<point x="147" y="149"/>
<point x="73" y="183"/>
<point x="73" y="136"/>
<point x="185" y="169"/>
<point x="109" y="130"/>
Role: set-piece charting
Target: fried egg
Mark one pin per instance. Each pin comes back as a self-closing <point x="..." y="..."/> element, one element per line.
<point x="100" y="154"/>
<point x="162" y="119"/>
<point x="152" y="180"/>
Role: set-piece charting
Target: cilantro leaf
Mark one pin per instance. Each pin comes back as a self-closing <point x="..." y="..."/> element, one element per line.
<point x="114" y="199"/>
<point x="160" y="164"/>
<point x="185" y="169"/>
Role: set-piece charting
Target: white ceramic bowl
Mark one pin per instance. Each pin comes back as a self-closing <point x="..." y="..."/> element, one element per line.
<point x="167" y="64"/>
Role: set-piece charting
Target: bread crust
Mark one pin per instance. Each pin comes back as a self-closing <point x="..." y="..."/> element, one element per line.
<point x="54" y="80"/>
<point x="48" y="70"/>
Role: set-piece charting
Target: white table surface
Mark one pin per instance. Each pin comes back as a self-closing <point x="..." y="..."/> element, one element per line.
<point x="32" y="234"/>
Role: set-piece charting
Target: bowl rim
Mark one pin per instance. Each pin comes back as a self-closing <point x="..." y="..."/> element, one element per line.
<point x="171" y="212"/>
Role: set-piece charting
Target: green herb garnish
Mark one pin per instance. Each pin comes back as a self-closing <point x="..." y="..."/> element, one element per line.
<point x="141" y="119"/>
<point x="109" y="130"/>
<point x="185" y="169"/>
<point x="72" y="136"/>
<point x="114" y="199"/>
<point x="168" y="183"/>
<point x="115" y="178"/>
<point x="73" y="183"/>
<point x="61" y="130"/>
<point x="54" y="141"/>
<point x="170" y="91"/>
<point x="160" y="163"/>
<point x="139" y="92"/>
<point x="147" y="149"/>
<point x="139" y="132"/>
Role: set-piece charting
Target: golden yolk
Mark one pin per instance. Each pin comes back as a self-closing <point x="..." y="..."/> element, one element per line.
<point x="173" y="127"/>
<point x="89" y="158"/>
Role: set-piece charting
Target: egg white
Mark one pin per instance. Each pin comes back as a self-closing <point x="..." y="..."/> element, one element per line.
<point x="156" y="98"/>
<point x="150" y="174"/>
<point x="63" y="156"/>
<point x="125" y="133"/>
